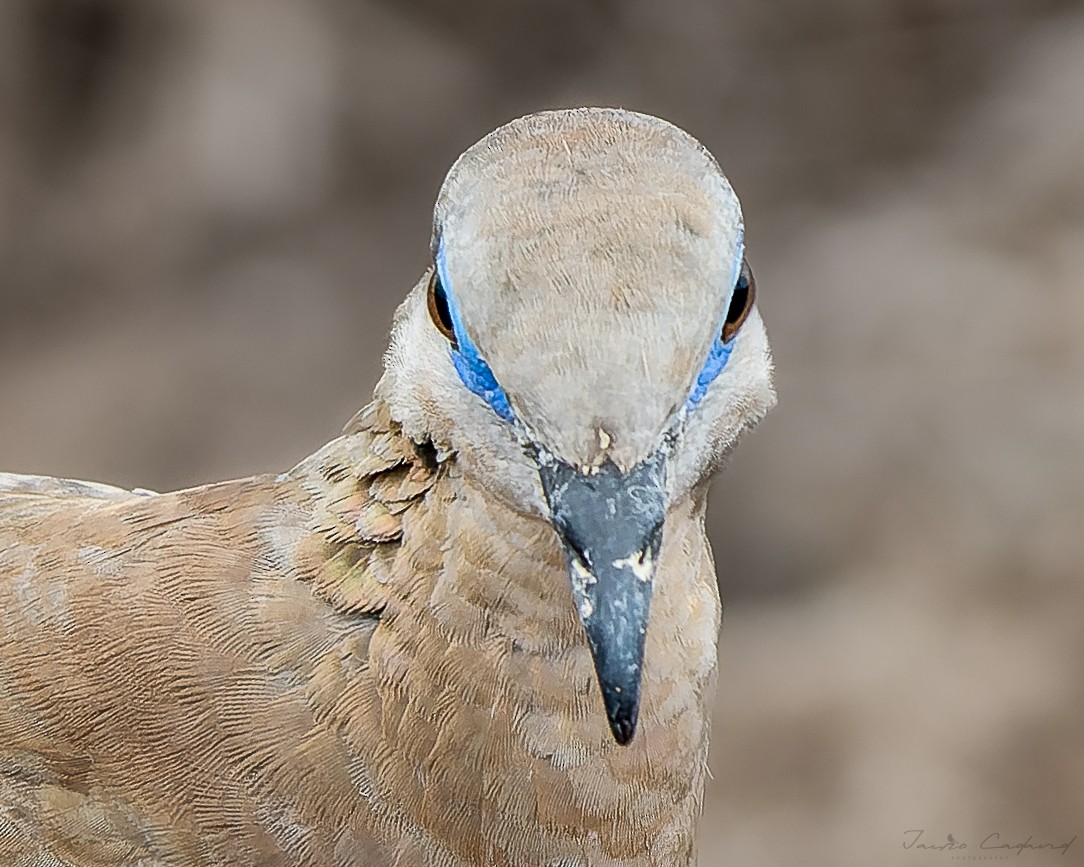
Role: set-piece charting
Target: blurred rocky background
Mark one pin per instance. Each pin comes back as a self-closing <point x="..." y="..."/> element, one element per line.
<point x="210" y="208"/>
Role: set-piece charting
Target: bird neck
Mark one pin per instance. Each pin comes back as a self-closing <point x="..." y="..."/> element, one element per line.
<point x="486" y="643"/>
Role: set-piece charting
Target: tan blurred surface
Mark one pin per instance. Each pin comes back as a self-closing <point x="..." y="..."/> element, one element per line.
<point x="209" y="209"/>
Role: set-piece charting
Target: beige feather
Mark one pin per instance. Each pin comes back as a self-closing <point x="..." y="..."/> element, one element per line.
<point x="372" y="659"/>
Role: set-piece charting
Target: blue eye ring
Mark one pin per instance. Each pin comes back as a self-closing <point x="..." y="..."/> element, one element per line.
<point x="474" y="371"/>
<point x="742" y="296"/>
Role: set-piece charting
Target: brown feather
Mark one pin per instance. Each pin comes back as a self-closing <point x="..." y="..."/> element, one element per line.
<point x="303" y="670"/>
<point x="376" y="658"/>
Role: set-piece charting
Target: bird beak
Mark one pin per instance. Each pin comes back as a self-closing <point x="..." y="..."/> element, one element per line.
<point x="610" y="526"/>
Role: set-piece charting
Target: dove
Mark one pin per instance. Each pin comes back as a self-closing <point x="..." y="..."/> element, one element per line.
<point x="479" y="627"/>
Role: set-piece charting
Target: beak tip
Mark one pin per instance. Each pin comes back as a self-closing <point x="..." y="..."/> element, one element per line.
<point x="622" y="712"/>
<point x="623" y="729"/>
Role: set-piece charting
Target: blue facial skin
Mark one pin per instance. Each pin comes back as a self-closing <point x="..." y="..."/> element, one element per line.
<point x="719" y="352"/>
<point x="479" y="379"/>
<point x="471" y="367"/>
<point x="716" y="361"/>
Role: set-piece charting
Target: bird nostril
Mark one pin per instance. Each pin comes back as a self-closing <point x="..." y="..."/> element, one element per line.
<point x="574" y="544"/>
<point x="579" y="552"/>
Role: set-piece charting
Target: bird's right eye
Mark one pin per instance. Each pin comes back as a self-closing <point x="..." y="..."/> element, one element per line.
<point x="439" y="312"/>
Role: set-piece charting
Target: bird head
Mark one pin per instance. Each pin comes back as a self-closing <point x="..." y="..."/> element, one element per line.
<point x="587" y="344"/>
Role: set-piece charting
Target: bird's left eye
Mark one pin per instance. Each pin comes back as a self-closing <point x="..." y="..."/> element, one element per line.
<point x="439" y="311"/>
<point x="741" y="302"/>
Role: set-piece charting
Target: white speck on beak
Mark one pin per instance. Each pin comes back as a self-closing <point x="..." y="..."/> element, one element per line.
<point x="642" y="564"/>
<point x="581" y="580"/>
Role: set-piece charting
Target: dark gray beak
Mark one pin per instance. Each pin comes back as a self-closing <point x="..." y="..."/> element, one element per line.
<point x="610" y="525"/>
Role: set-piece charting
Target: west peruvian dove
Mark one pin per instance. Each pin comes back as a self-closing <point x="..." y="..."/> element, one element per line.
<point x="425" y="644"/>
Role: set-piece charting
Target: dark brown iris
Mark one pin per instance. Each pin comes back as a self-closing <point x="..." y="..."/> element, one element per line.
<point x="741" y="302"/>
<point x="439" y="312"/>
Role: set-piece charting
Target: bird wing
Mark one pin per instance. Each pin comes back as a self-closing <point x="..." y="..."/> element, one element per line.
<point x="165" y="659"/>
<point x="14" y="484"/>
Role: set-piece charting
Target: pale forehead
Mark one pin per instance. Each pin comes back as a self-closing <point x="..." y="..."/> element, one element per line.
<point x="591" y="253"/>
<point x="546" y="160"/>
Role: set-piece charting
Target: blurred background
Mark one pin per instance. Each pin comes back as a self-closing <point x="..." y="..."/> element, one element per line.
<point x="210" y="208"/>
